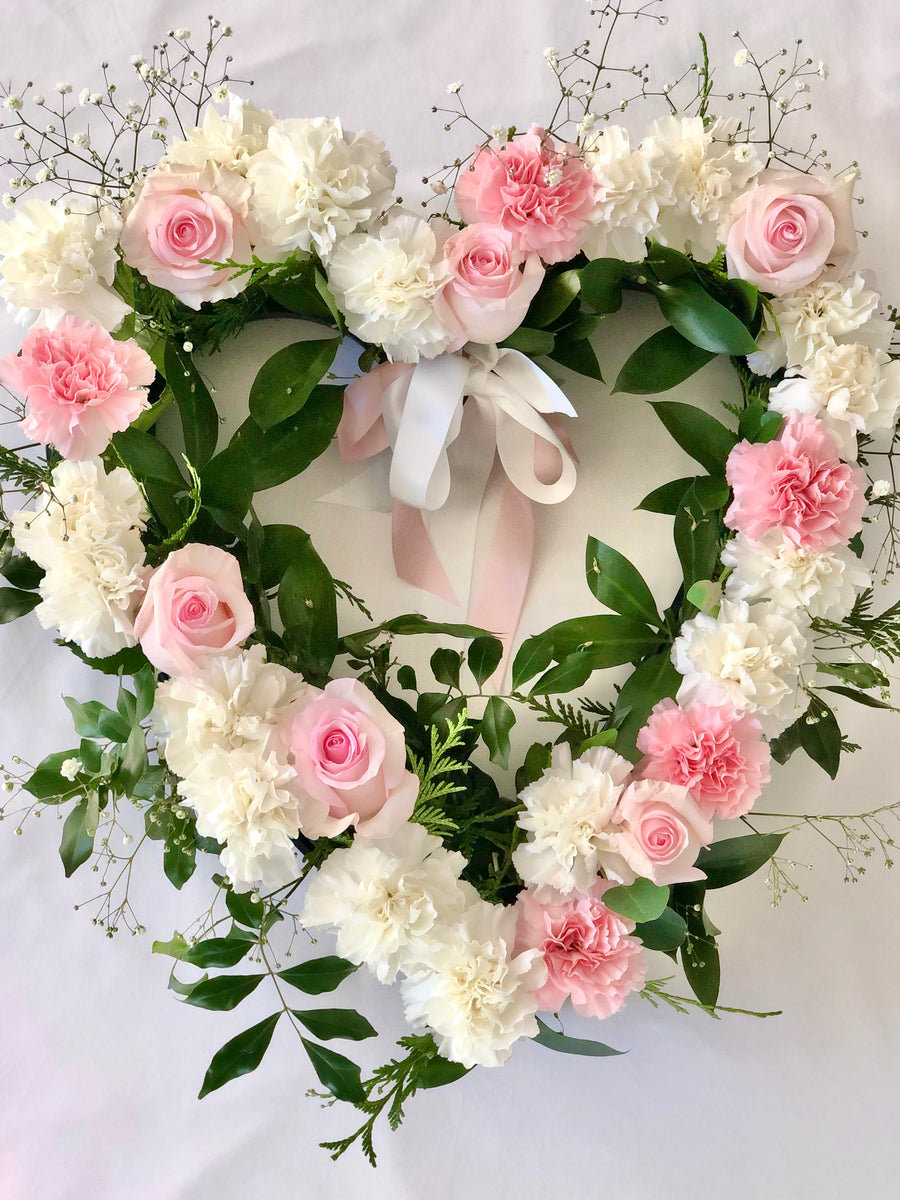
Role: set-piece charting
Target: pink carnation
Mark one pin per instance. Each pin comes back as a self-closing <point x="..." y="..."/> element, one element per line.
<point x="82" y="386"/>
<point x="539" y="190"/>
<point x="589" y="955"/>
<point x="797" y="484"/>
<point x="718" y="754"/>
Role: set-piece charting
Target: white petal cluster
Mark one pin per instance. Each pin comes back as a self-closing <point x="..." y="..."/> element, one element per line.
<point x="850" y="388"/>
<point x="704" y="169"/>
<point x="629" y="193"/>
<point x="242" y="799"/>
<point x="228" y="139"/>
<point x="58" y="260"/>
<point x="385" y="283"/>
<point x="752" y="653"/>
<point x="239" y="701"/>
<point x="314" y="183"/>
<point x="86" y="534"/>
<point x="568" y="820"/>
<point x="386" y="898"/>
<point x="817" y="583"/>
<point x="472" y="989"/>
<point x="821" y="315"/>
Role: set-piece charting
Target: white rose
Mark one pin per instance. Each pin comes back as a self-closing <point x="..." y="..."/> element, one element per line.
<point x="58" y="260"/>
<point x="315" y="183"/>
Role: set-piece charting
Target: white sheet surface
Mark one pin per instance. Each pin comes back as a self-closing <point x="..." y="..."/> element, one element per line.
<point x="99" y="1066"/>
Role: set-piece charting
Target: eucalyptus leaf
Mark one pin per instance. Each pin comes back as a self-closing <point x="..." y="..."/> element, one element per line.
<point x="666" y="932"/>
<point x="568" y="1045"/>
<point x="638" y="901"/>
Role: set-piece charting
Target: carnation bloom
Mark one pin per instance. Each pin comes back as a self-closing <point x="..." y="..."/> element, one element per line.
<point x="472" y="989"/>
<point x="568" y="817"/>
<point x="86" y="535"/>
<point x="237" y="701"/>
<point x="818" y="583"/>
<point x="586" y="947"/>
<point x="229" y="140"/>
<point x="350" y="756"/>
<point x="753" y="655"/>
<point x="315" y="183"/>
<point x="538" y="189"/>
<point x="662" y="831"/>
<point x="242" y="799"/>
<point x="715" y="752"/>
<point x="58" y="260"/>
<point x="386" y="284"/>
<point x="797" y="484"/>
<point x="82" y="385"/>
<point x="386" y="898"/>
<point x="182" y="221"/>
<point x="630" y="191"/>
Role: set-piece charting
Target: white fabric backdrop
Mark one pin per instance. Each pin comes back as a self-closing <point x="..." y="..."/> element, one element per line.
<point x="100" y="1067"/>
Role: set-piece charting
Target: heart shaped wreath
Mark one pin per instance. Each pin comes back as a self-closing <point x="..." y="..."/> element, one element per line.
<point x="289" y="749"/>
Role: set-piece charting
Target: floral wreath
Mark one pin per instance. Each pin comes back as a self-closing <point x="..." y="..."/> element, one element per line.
<point x="247" y="727"/>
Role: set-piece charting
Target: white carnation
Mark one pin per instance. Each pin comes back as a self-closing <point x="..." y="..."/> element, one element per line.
<point x="820" y="583"/>
<point x="236" y="701"/>
<point x="315" y="183"/>
<point x="227" y="139"/>
<point x="386" y="897"/>
<point x="472" y="990"/>
<point x="86" y="534"/>
<point x="753" y="654"/>
<point x="385" y="283"/>
<point x="242" y="799"/>
<point x="59" y="261"/>
<point x="629" y="193"/>
<point x="568" y="819"/>
<point x="850" y="388"/>
<point x="705" y="169"/>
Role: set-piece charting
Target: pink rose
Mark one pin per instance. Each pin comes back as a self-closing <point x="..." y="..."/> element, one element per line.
<point x="487" y="293"/>
<point x="182" y="217"/>
<point x="194" y="606"/>
<point x="82" y="385"/>
<point x="589" y="955"/>
<point x="797" y="484"/>
<point x="718" y="754"/>
<point x="350" y="758"/>
<point x="538" y="189"/>
<point x="662" y="831"/>
<point x="789" y="227"/>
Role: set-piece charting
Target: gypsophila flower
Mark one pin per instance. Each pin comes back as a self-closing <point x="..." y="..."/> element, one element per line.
<point x="13" y="102"/>
<point x="83" y="96"/>
<point x="70" y="768"/>
<point x="8" y="200"/>
<point x="741" y="57"/>
<point x="453" y="88"/>
<point x="881" y="488"/>
<point x="38" y="99"/>
<point x="64" y="89"/>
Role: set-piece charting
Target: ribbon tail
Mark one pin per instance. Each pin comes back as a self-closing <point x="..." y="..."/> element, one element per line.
<point x="415" y="558"/>
<point x="500" y="598"/>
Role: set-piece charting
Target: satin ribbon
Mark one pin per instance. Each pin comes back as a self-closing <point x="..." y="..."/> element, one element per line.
<point x="447" y="421"/>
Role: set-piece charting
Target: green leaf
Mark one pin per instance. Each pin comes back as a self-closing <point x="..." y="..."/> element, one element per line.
<point x="638" y="901"/>
<point x="533" y="656"/>
<point x="860" y="674"/>
<point x="15" y="604"/>
<point x="179" y="861"/>
<point x="665" y="933"/>
<point x="286" y="380"/>
<point x="733" y="859"/>
<point x="617" y="583"/>
<point x="667" y="498"/>
<point x="77" y="843"/>
<point x="240" y="1056"/>
<point x="22" y="572"/>
<point x="601" y="284"/>
<point x="216" y="952"/>
<point x="537" y="760"/>
<point x="696" y="535"/>
<point x="224" y="992"/>
<point x="85" y="717"/>
<point x="244" y="909"/>
<point x="859" y="697"/>
<point x="662" y="362"/>
<point x="693" y="312"/>
<point x="574" y="670"/>
<point x="439" y="1071"/>
<point x="226" y="483"/>
<point x="820" y="737"/>
<point x="327" y="1023"/>
<point x="445" y="666"/>
<point x="127" y="661"/>
<point x="555" y="295"/>
<point x="199" y="419"/>
<point x="406" y="678"/>
<point x="147" y="458"/>
<point x="318" y="975"/>
<point x="413" y="623"/>
<point x="113" y="726"/>
<point x="307" y="605"/>
<point x="484" y="657"/>
<point x="281" y="545"/>
<point x="133" y="762"/>
<point x="145" y="691"/>
<point x="787" y="742"/>
<point x="578" y="355"/>
<point x="532" y="342"/>
<point x="606" y="737"/>
<point x="337" y="1073"/>
<point x="496" y="724"/>
<point x="46" y="782"/>
<point x="287" y="449"/>
<point x="301" y="293"/>
<point x="568" y="1045"/>
<point x="699" y="953"/>
<point x="697" y="433"/>
<point x="176" y="948"/>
